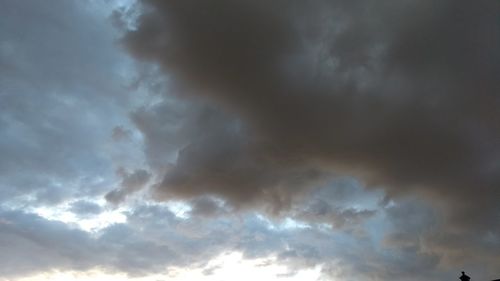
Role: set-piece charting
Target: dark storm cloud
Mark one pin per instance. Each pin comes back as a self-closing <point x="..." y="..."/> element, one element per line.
<point x="272" y="99"/>
<point x="401" y="94"/>
<point x="218" y="155"/>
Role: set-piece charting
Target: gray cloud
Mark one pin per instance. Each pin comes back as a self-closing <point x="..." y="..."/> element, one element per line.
<point x="215" y="155"/>
<point x="61" y="96"/>
<point x="267" y="106"/>
<point x="154" y="239"/>
<point x="208" y="207"/>
<point x="34" y="244"/>
<point x="386" y="103"/>
<point x="403" y="95"/>
<point x="39" y="245"/>
<point x="120" y="134"/>
<point x="130" y="183"/>
<point x="343" y="204"/>
<point x="85" y="208"/>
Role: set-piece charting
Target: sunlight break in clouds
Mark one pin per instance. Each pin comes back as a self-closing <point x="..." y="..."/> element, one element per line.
<point x="91" y="224"/>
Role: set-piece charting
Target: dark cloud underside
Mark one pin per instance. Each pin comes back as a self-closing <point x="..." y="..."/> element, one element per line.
<point x="402" y="94"/>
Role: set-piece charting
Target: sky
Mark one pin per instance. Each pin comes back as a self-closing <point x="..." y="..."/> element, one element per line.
<point x="162" y="140"/>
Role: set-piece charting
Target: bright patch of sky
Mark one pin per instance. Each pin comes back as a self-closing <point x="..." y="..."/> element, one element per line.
<point x="179" y="208"/>
<point x="282" y="224"/>
<point x="226" y="267"/>
<point x="93" y="223"/>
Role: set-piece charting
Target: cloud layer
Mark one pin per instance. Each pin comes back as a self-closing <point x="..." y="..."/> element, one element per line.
<point x="402" y="95"/>
<point x="361" y="138"/>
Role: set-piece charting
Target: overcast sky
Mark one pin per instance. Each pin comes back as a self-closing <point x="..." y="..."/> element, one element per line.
<point x="240" y="140"/>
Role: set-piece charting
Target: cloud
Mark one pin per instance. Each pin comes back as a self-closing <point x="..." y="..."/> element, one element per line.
<point x="130" y="248"/>
<point x="60" y="101"/>
<point x="154" y="239"/>
<point x="120" y="133"/>
<point x="130" y="183"/>
<point x="390" y="103"/>
<point x="85" y="208"/>
<point x="207" y="207"/>
<point x="359" y="137"/>
<point x="343" y="204"/>
<point x="34" y="244"/>
<point x="402" y="95"/>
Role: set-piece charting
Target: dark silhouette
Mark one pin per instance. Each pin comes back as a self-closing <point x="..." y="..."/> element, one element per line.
<point x="464" y="277"/>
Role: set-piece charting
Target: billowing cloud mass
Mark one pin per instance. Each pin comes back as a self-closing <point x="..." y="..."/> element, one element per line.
<point x="403" y="95"/>
<point x="359" y="141"/>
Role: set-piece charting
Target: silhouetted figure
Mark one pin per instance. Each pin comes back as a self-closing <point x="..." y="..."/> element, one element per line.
<point x="464" y="277"/>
